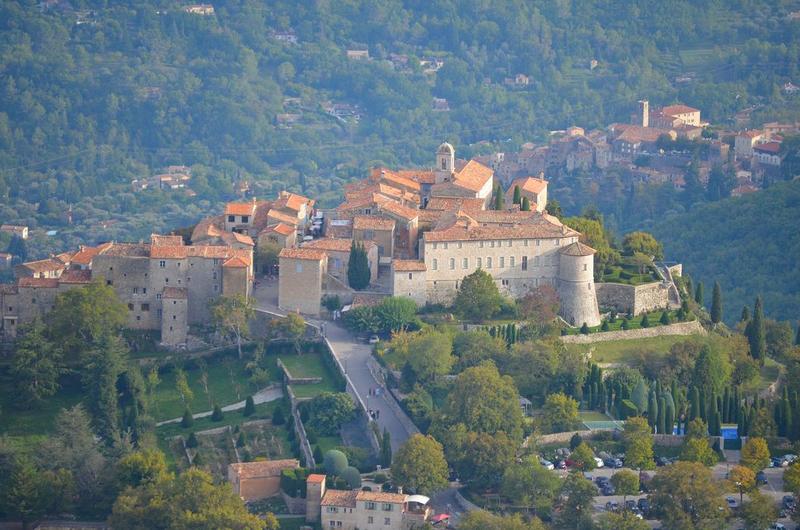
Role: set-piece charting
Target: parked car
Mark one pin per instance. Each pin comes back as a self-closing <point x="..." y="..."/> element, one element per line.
<point x="561" y="464"/>
<point x="777" y="526"/>
<point x="546" y="464"/>
<point x="613" y="463"/>
<point x="775" y="461"/>
<point x="373" y="339"/>
<point x="630" y="505"/>
<point x="612" y="506"/>
<point x="732" y="502"/>
<point x="789" y="502"/>
<point x="644" y="505"/>
<point x="661" y="461"/>
<point x="761" y="478"/>
<point x="607" y="489"/>
<point x="598" y="462"/>
<point x="601" y="480"/>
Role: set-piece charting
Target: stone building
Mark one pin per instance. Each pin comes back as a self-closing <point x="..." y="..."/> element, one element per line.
<point x="408" y="279"/>
<point x="301" y="279"/>
<point x="338" y="251"/>
<point x="253" y="481"/>
<point x="535" y="189"/>
<point x="166" y="285"/>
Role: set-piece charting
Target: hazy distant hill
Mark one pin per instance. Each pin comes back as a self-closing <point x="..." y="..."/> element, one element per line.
<point x="750" y="244"/>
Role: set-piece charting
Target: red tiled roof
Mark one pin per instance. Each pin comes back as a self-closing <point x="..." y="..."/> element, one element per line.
<point x="377" y="496"/>
<point x="335" y="245"/>
<point x="772" y="148"/>
<point x="236" y="237"/>
<point x="280" y="228"/>
<point x="76" y="276"/>
<point x="455" y="203"/>
<point x="85" y="255"/>
<point x="277" y="215"/>
<point x="530" y="184"/>
<point x="46" y="283"/>
<point x="399" y="210"/>
<point x="208" y="227"/>
<point x="267" y="468"/>
<point x="578" y="249"/>
<point x="339" y="498"/>
<point x="292" y="201"/>
<point x="8" y="288"/>
<point x="157" y="240"/>
<point x="236" y="263"/>
<point x="672" y="110"/>
<point x="312" y="254"/>
<point x="473" y="176"/>
<point x="315" y="478"/>
<point x="240" y="208"/>
<point x="408" y="265"/>
<point x="43" y="265"/>
<point x="372" y="222"/>
<point x="169" y="251"/>
<point x="128" y="249"/>
<point x="465" y="228"/>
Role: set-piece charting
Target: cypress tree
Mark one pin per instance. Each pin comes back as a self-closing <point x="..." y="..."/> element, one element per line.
<point x="318" y="456"/>
<point x="661" y="421"/>
<point x="601" y="398"/>
<point x="716" y="304"/>
<point x="517" y="195"/>
<point x="756" y="332"/>
<point x="726" y="401"/>
<point x="386" y="449"/>
<point x="689" y="286"/>
<point x="625" y="326"/>
<point x="187" y="420"/>
<point x="589" y="398"/>
<point x="358" y="273"/>
<point x="745" y="314"/>
<point x="585" y="329"/>
<point x="217" y="414"/>
<point x="526" y="205"/>
<point x="499" y="200"/>
<point x="191" y="441"/>
<point x="669" y="418"/>
<point x="695" y="402"/>
<point x="249" y="406"/>
<point x="604" y="326"/>
<point x="645" y="322"/>
<point x="664" y="320"/>
<point x="652" y="409"/>
<point x="698" y="294"/>
<point x="797" y="336"/>
<point x="717" y="424"/>
<point x="702" y="406"/>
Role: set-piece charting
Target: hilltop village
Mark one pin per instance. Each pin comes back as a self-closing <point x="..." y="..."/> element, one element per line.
<point x="423" y="231"/>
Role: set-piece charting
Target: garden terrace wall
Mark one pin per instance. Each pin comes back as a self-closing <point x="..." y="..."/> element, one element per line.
<point x="632" y="299"/>
<point x="681" y="328"/>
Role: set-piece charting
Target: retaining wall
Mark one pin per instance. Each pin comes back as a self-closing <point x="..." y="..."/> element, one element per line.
<point x="300" y="430"/>
<point x="633" y="299"/>
<point x="681" y="328"/>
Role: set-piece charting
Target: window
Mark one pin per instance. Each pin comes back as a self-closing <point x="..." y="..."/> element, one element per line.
<point x="33" y="300"/>
<point x="160" y="313"/>
<point x="504" y="282"/>
<point x="584" y="266"/>
<point x="166" y="280"/>
<point x="452" y="263"/>
<point x="387" y="521"/>
<point x="526" y="243"/>
<point x="138" y="317"/>
<point x="524" y="263"/>
<point x="333" y="523"/>
<point x="216" y="288"/>
<point x="158" y="296"/>
<point x="538" y="241"/>
<point x="331" y="509"/>
<point x="144" y="290"/>
<point x="465" y="263"/>
<point x="589" y="286"/>
<point x="502" y="262"/>
<point x="410" y="276"/>
<point x="214" y="275"/>
<point x="135" y="290"/>
<point x="435" y="246"/>
<point x="459" y="244"/>
<point x="162" y="263"/>
<point x="508" y="243"/>
<point x="444" y="246"/>
<point x="174" y="302"/>
<point x="245" y="218"/>
<point x="435" y="264"/>
<point x="370" y="506"/>
<point x="489" y="263"/>
<point x="478" y="262"/>
<point x="231" y="218"/>
<point x="130" y="307"/>
<point x="491" y="244"/>
<point x="444" y="163"/>
<point x="512" y="262"/>
<point x="10" y="309"/>
<point x="557" y="242"/>
<point x="145" y="307"/>
<point x="298" y="267"/>
<point x="370" y="519"/>
<point x="480" y="244"/>
<point x="170" y="328"/>
<point x="387" y="507"/>
<point x="109" y="282"/>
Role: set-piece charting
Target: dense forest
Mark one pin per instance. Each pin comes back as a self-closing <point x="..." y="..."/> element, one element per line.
<point x="96" y="93"/>
<point x="749" y="244"/>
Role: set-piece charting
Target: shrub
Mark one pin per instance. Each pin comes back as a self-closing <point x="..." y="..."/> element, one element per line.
<point x="318" y="456"/>
<point x="379" y="478"/>
<point x="249" y="406"/>
<point x="278" y="417"/>
<point x="627" y="409"/>
<point x="352" y="477"/>
<point x="335" y="462"/>
<point x="191" y="441"/>
<point x="311" y="435"/>
<point x="625" y="325"/>
<point x="604" y="326"/>
<point x="242" y="440"/>
<point x="217" y="415"/>
<point x="664" y="320"/>
<point x="187" y="420"/>
<point x="575" y="441"/>
<point x="645" y="322"/>
<point x="585" y="329"/>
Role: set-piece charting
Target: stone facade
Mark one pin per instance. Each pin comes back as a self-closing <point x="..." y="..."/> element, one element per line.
<point x="174" y="316"/>
<point x="634" y="299"/>
<point x="258" y="480"/>
<point x="682" y="328"/>
<point x="300" y="283"/>
<point x="408" y="279"/>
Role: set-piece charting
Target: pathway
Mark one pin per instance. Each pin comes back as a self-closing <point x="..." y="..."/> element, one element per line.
<point x="265" y="395"/>
<point x="353" y="355"/>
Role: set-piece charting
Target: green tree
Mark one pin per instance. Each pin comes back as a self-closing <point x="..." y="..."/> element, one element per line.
<point x="583" y="457"/>
<point x="483" y="520"/>
<point x="755" y="454"/>
<point x="479" y="458"/>
<point x="352" y="477"/>
<point x="716" y="304"/>
<point x="478" y="297"/>
<point x="625" y="483"/>
<point x="474" y="347"/>
<point x="396" y="313"/>
<point x="84" y="315"/>
<point x="699" y="297"/>
<point x="191" y="500"/>
<point x="335" y="462"/>
<point x="576" y="510"/>
<point x="187" y="420"/>
<point x="625" y="520"/>
<point x="358" y="272"/>
<point x="36" y="365"/>
<point x="499" y="200"/>
<point x="430" y="354"/>
<point x="265" y="256"/>
<point x="386" y="449"/>
<point x="329" y="410"/>
<point x="530" y="484"/>
<point x="759" y="512"/>
<point x="217" y="414"/>
<point x="638" y="444"/>
<point x="698" y="450"/>
<point x="291" y="328"/>
<point x="497" y="410"/>
<point x="517" y="195"/>
<point x="687" y="496"/>
<point x="249" y="406"/>
<point x="712" y="370"/>
<point x="756" y="332"/>
<point x="420" y="464"/>
<point x="104" y="364"/>
<point x="526" y="205"/>
<point x="645" y="322"/>
<point x="791" y="478"/>
<point x="559" y="413"/>
<point x="24" y="498"/>
<point x="642" y="242"/>
<point x="742" y="479"/>
<point x="231" y="316"/>
<point x="144" y="466"/>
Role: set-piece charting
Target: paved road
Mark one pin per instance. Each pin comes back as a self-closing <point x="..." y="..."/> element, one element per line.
<point x="353" y="355"/>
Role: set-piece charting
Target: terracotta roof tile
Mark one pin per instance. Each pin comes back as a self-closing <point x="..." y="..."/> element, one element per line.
<point x="207" y="228"/>
<point x="43" y="265"/>
<point x="535" y="228"/>
<point x="530" y="184"/>
<point x="280" y="228"/>
<point x="339" y="498"/>
<point x="8" y="288"/>
<point x="473" y="176"/>
<point x="315" y="478"/>
<point x="578" y="249"/>
<point x="169" y="251"/>
<point x="236" y="263"/>
<point x="312" y="254"/>
<point x="408" y="265"/>
<point x="46" y="283"/>
<point x="455" y="203"/>
<point x="235" y="237"/>
<point x="672" y="110"/>
<point x="158" y="240"/>
<point x="372" y="222"/>
<point x="335" y="245"/>
<point x="292" y="201"/>
<point x="85" y="255"/>
<point x="377" y="496"/>
<point x="128" y="249"/>
<point x="277" y="216"/>
<point x="76" y="276"/>
<point x="404" y="212"/>
<point x="240" y="208"/>
<point x="267" y="468"/>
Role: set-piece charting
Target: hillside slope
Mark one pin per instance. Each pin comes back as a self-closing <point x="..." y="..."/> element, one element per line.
<point x="751" y="245"/>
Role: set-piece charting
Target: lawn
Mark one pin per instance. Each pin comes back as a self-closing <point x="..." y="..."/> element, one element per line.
<point x="309" y="391"/>
<point x="228" y="383"/>
<point x="621" y="351"/>
<point x="38" y="419"/>
<point x="592" y="415"/>
<point x="263" y="411"/>
<point x="326" y="443"/>
<point x="633" y="323"/>
<point x="305" y="365"/>
<point x="628" y="274"/>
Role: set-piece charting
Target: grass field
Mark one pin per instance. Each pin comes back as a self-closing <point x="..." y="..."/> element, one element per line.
<point x="310" y="365"/>
<point x="592" y="415"/>
<point x="633" y="323"/>
<point x="38" y="418"/>
<point x="621" y="351"/>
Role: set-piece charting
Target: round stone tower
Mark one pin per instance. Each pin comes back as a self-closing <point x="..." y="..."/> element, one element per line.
<point x="576" y="285"/>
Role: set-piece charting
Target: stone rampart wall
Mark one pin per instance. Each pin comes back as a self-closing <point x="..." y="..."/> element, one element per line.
<point x="633" y="299"/>
<point x="681" y="328"/>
